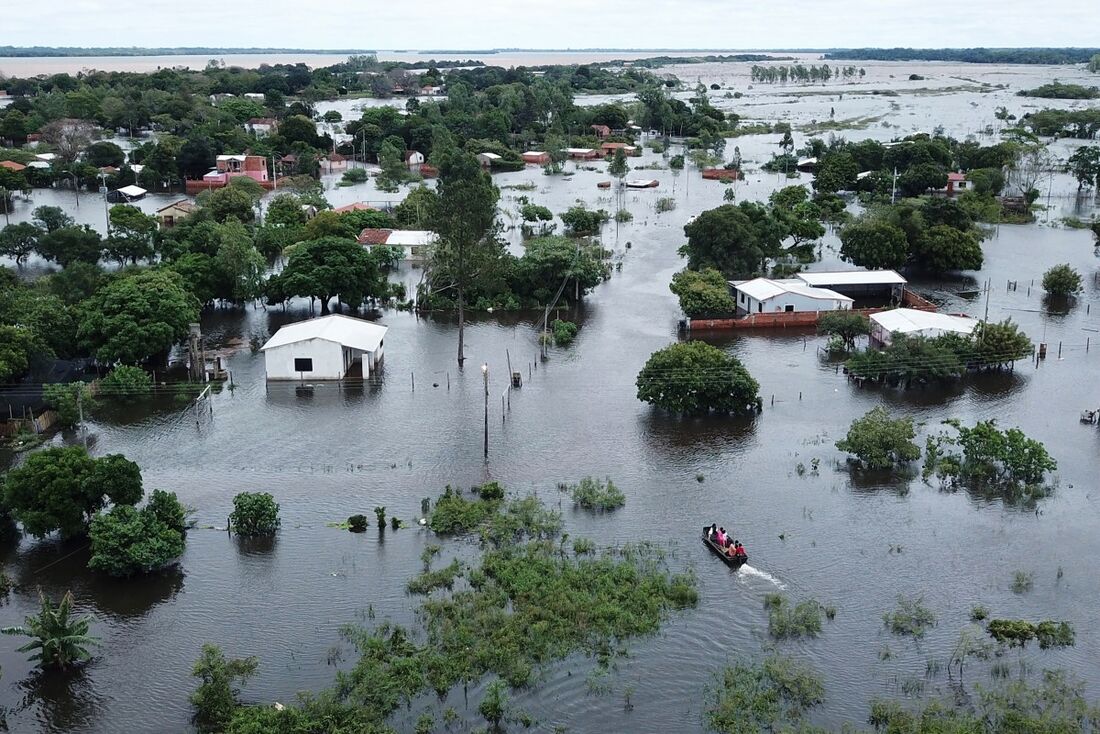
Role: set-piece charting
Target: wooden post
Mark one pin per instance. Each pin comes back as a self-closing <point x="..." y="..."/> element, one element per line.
<point x="413" y="376"/>
<point x="509" y="356"/>
<point x="448" y="382"/>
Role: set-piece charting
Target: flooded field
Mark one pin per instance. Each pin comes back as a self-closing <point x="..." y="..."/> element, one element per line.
<point x="852" y="542"/>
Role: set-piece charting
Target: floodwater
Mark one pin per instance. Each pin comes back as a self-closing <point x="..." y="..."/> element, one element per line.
<point x="852" y="541"/>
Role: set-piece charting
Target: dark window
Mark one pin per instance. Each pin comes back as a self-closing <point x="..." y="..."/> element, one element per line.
<point x="788" y="308"/>
<point x="303" y="364"/>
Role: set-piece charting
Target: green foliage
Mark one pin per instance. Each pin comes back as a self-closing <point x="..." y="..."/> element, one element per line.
<point x="61" y="488"/>
<point x="18" y="241"/>
<point x="357" y="523"/>
<point x="592" y="494"/>
<point x="1084" y="164"/>
<point x="429" y="581"/>
<point x="564" y="332"/>
<point x="844" y="324"/>
<point x="787" y="622"/>
<point x="873" y="245"/>
<point x="881" y="442"/>
<point x="978" y="613"/>
<point x="1019" y="632"/>
<point x="910" y="617"/>
<point x="772" y="695"/>
<point x="735" y="240"/>
<point x="126" y="383"/>
<point x="354" y="176"/>
<point x="58" y="641"/>
<point x="453" y="514"/>
<point x="327" y="268"/>
<point x="1022" y="581"/>
<point x="703" y="293"/>
<point x="17" y="345"/>
<point x="380" y="516"/>
<point x="580" y="221"/>
<point x="1058" y="90"/>
<point x="254" y="513"/>
<point x="535" y="213"/>
<point x="942" y="248"/>
<point x="694" y="377"/>
<point x="1062" y="280"/>
<point x="128" y="541"/>
<point x="137" y="316"/>
<point x="664" y="204"/>
<point x="494" y="705"/>
<point x="71" y="244"/>
<point x="217" y="696"/>
<point x="68" y="400"/>
<point x="1004" y="463"/>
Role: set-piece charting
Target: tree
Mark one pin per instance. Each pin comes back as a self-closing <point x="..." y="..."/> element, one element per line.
<point x="331" y="267"/>
<point x="880" y="442"/>
<point x="236" y="202"/>
<point x="105" y="153"/>
<point x="126" y="383"/>
<point x="57" y="639"/>
<point x="494" y="706"/>
<point x="69" y="245"/>
<point x="1062" y="281"/>
<point x="703" y="293"/>
<point x="1085" y="166"/>
<point x="581" y="221"/>
<point x="844" y="324"/>
<point x="298" y="128"/>
<point x="132" y="233"/>
<point x="17" y="345"/>
<point x="216" y="698"/>
<point x="727" y="240"/>
<point x="873" y="244"/>
<point x="922" y="178"/>
<point x="466" y="222"/>
<point x="241" y="264"/>
<point x="254" y="513"/>
<point x="18" y="241"/>
<point x="69" y="400"/>
<point x="548" y="261"/>
<point x="942" y="248"/>
<point x="61" y="488"/>
<point x="126" y="541"/>
<point x="137" y="316"/>
<point x="694" y="377"/>
<point x="197" y="156"/>
<point x="418" y="209"/>
<point x="52" y="218"/>
<point x="68" y="137"/>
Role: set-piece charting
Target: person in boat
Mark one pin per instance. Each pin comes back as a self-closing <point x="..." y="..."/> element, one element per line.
<point x="722" y="537"/>
<point x="712" y="532"/>
<point x="731" y="551"/>
<point x="739" y="550"/>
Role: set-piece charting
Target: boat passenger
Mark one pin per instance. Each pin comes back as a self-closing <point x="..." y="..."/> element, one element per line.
<point x="712" y="532"/>
<point x="739" y="550"/>
<point x="731" y="551"/>
<point x="722" y="537"/>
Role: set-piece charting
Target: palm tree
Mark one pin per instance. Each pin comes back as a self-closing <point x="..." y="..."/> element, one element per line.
<point x="58" y="640"/>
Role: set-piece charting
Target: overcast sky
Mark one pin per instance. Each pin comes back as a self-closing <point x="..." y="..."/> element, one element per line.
<point x="478" y="24"/>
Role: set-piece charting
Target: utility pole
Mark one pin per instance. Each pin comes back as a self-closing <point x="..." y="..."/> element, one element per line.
<point x="485" y="373"/>
<point x="894" y="187"/>
<point x="80" y="412"/>
<point x="4" y="198"/>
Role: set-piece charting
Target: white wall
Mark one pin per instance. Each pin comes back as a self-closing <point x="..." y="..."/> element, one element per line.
<point x="328" y="360"/>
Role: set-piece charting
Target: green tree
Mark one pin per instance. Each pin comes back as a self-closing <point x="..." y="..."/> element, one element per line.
<point x="240" y="264"/>
<point x="1085" y="166"/>
<point x="52" y="218"/>
<point x="132" y="234"/>
<point x="844" y="324"/>
<point x="17" y="345"/>
<point x="735" y="240"/>
<point x="1061" y="281"/>
<point x="466" y="222"/>
<point x="703" y="293"/>
<point x="105" y="153"/>
<point x="18" y="241"/>
<point x="126" y="541"/>
<point x="879" y="441"/>
<point x="68" y="245"/>
<point x="137" y="316"/>
<point x="581" y="221"/>
<point x="418" y="209"/>
<point x="235" y="201"/>
<point x="548" y="261"/>
<point x="873" y="244"/>
<point x="694" y="377"/>
<point x="494" y="705"/>
<point x="254" y="513"/>
<point x="61" y="488"/>
<point x="217" y="697"/>
<point x="126" y="383"/>
<point x="58" y="641"/>
<point x="327" y="268"/>
<point x="921" y="178"/>
<point x="69" y="400"/>
<point x="942" y="248"/>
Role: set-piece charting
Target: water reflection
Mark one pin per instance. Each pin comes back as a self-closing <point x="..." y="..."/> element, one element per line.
<point x="873" y="481"/>
<point x="63" y="701"/>
<point x="678" y="438"/>
<point x="261" y="546"/>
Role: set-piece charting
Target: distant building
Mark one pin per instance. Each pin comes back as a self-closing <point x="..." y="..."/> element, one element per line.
<point x="414" y="159"/>
<point x="956" y="183"/>
<point x="583" y="154"/>
<point x="356" y="207"/>
<point x="882" y="286"/>
<point x="917" y="323"/>
<point x="601" y="131"/>
<point x="233" y="166"/>
<point x="261" y="127"/>
<point x="416" y="242"/>
<point x="537" y="157"/>
<point x="12" y="166"/>
<point x="327" y="348"/>
<point x="126" y="194"/>
<point x="609" y="149"/>
<point x="334" y="163"/>
<point x="766" y="295"/>
<point x="487" y="159"/>
<point x="171" y="215"/>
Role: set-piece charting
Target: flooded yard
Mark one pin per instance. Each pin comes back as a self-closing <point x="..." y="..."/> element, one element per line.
<point x="852" y="541"/>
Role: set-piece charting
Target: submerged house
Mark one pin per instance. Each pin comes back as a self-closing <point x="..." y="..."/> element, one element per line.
<point x="787" y="295"/>
<point x="327" y="348"/>
<point x="913" y="322"/>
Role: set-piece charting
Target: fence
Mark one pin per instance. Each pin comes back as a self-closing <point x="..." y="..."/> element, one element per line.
<point x="32" y="424"/>
<point x="798" y="319"/>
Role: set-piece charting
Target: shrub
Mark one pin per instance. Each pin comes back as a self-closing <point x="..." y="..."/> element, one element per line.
<point x="380" y="516"/>
<point x="254" y="513"/>
<point x="453" y="514"/>
<point x="910" y="617"/>
<point x="564" y="332"/>
<point x="583" y="546"/>
<point x="126" y="383"/>
<point x="1019" y="632"/>
<point x="216" y="698"/>
<point x="694" y="377"/>
<point x="664" y="204"/>
<point x="785" y="621"/>
<point x="769" y="696"/>
<point x="57" y="639"/>
<point x="69" y="400"/>
<point x="844" y="324"/>
<point x="1005" y="463"/>
<point x="128" y="541"/>
<point x="580" y="221"/>
<point x="1062" y="281"/>
<point x="428" y="581"/>
<point x="357" y="523"/>
<point x="978" y="613"/>
<point x="703" y="293"/>
<point x="354" y="176"/>
<point x="592" y="494"/>
<point x="623" y="216"/>
<point x="1022" y="582"/>
<point x="880" y="442"/>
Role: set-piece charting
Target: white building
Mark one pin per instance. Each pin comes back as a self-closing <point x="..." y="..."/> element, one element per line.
<point x="417" y="243"/>
<point x="326" y="348"/>
<point x="488" y="159"/>
<point x="414" y="159"/>
<point x="917" y="323"/>
<point x="766" y="295"/>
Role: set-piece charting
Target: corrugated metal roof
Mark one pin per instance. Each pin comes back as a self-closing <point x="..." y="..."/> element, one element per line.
<point x="852" y="277"/>
<point x="763" y="289"/>
<point x="909" y="320"/>
<point x="344" y="330"/>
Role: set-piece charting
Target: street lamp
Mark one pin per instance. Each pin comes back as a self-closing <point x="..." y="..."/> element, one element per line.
<point x="76" y="187"/>
<point x="103" y="190"/>
<point x="485" y="373"/>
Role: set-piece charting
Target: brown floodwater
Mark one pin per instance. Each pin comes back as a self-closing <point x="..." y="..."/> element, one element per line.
<point x="332" y="452"/>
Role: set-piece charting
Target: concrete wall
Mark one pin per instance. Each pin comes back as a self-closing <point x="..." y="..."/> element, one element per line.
<point x="779" y="303"/>
<point x="328" y="360"/>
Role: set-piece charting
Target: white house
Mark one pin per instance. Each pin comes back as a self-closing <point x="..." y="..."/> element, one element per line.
<point x="488" y="159"/>
<point x="917" y="323"/>
<point x="417" y="243"/>
<point x="326" y="348"/>
<point x="414" y="159"/>
<point x="767" y="295"/>
<point x="261" y="127"/>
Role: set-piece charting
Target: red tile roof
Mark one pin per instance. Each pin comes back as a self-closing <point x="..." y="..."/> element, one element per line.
<point x="374" y="236"/>
<point x="356" y="207"/>
<point x="12" y="165"/>
<point x="956" y="176"/>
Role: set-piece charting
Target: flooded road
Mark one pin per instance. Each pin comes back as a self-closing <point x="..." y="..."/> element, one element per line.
<point x="854" y="542"/>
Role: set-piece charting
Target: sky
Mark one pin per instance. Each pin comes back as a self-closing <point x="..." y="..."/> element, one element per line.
<point x="557" y="24"/>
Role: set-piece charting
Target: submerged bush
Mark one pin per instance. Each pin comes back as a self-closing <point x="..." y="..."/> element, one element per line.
<point x="785" y="621"/>
<point x="357" y="523"/>
<point x="772" y="695"/>
<point x="254" y="513"/>
<point x="879" y="441"/>
<point x="592" y="494"/>
<point x="428" y="581"/>
<point x="564" y="332"/>
<point x="910" y="617"/>
<point x="454" y="514"/>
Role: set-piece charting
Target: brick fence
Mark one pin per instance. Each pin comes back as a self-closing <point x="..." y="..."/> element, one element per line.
<point x="798" y="319"/>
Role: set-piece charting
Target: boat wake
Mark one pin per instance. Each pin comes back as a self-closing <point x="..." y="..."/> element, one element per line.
<point x="748" y="570"/>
